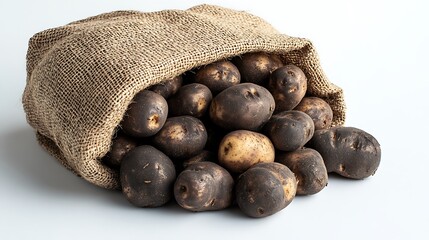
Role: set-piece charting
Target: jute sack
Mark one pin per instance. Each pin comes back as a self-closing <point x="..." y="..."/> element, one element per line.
<point x="81" y="77"/>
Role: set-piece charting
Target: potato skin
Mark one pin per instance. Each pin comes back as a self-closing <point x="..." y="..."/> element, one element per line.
<point x="288" y="86"/>
<point x="218" y="76"/>
<point x="289" y="130"/>
<point x="204" y="186"/>
<point x="318" y="110"/>
<point x="241" y="149"/>
<point x="308" y="166"/>
<point x="204" y="156"/>
<point x="192" y="99"/>
<point x="145" y="115"/>
<point x="347" y="151"/>
<point x="147" y="177"/>
<point x="265" y="189"/>
<point x="256" y="67"/>
<point x="121" y="145"/>
<point x="244" y="106"/>
<point x="181" y="137"/>
<point x="168" y="87"/>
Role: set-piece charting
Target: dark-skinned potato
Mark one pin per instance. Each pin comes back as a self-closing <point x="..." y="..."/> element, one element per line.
<point x="192" y="99"/>
<point x="204" y="186"/>
<point x="147" y="177"/>
<point x="265" y="189"/>
<point x="145" y="115"/>
<point x="244" y="106"/>
<point x="204" y="156"/>
<point x="181" y="137"/>
<point x="241" y="149"/>
<point x="168" y="87"/>
<point x="256" y="67"/>
<point x="288" y="86"/>
<point x="121" y="145"/>
<point x="318" y="110"/>
<point x="347" y="151"/>
<point x="289" y="130"/>
<point x="308" y="167"/>
<point x="218" y="76"/>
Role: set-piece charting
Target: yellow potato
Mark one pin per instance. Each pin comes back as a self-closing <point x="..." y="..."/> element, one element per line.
<point x="241" y="149"/>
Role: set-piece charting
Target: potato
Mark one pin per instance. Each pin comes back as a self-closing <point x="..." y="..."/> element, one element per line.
<point x="288" y="86"/>
<point x="347" y="151"/>
<point x="145" y="115"/>
<point x="241" y="149"/>
<point x="244" y="106"/>
<point x="308" y="167"/>
<point x="204" y="186"/>
<point x="147" y="177"/>
<point x="204" y="156"/>
<point x="289" y="130"/>
<point x="121" y="145"/>
<point x="181" y="137"/>
<point x="192" y="99"/>
<point x="256" y="67"/>
<point x="265" y="189"/>
<point x="318" y="110"/>
<point x="218" y="76"/>
<point x="167" y="87"/>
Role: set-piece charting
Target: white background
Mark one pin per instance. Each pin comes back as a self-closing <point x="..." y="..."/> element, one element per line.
<point x="377" y="51"/>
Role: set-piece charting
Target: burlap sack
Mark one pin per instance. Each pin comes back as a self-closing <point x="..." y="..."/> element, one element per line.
<point x="82" y="76"/>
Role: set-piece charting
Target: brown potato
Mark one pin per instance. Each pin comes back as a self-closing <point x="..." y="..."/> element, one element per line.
<point x="256" y="67"/>
<point x="168" y="87"/>
<point x="318" y="110"/>
<point x="241" y="149"/>
<point x="288" y="86"/>
<point x="289" y="130"/>
<point x="192" y="99"/>
<point x="121" y="145"/>
<point x="218" y="76"/>
<point x="204" y="186"/>
<point x="147" y="177"/>
<point x="181" y="137"/>
<point x="347" y="151"/>
<point x="265" y="189"/>
<point x="308" y="167"/>
<point x="145" y="115"/>
<point x="243" y="106"/>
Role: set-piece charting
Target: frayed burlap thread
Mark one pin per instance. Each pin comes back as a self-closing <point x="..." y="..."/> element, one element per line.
<point x="82" y="76"/>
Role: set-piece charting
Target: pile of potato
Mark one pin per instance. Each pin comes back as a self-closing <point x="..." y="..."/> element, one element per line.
<point x="243" y="132"/>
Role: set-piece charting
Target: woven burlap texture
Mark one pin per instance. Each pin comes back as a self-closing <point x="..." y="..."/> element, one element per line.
<point x="82" y="76"/>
